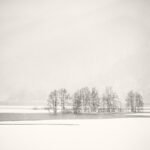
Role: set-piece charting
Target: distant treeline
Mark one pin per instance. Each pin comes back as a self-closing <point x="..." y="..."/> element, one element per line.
<point x="87" y="100"/>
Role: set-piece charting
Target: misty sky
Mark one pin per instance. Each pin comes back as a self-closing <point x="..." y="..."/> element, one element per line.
<point x="52" y="44"/>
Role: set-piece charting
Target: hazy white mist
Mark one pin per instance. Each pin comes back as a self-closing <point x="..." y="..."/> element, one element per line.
<point x="52" y="44"/>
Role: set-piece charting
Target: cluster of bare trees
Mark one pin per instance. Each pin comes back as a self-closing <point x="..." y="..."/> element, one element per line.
<point x="134" y="102"/>
<point x="85" y="100"/>
<point x="58" y="100"/>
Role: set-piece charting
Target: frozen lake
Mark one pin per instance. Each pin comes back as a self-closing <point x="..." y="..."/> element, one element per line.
<point x="105" y="134"/>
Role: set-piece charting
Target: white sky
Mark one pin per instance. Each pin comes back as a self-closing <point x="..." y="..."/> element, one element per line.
<point x="72" y="44"/>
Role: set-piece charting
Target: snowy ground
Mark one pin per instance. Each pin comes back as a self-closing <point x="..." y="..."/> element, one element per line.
<point x="22" y="109"/>
<point x="123" y="133"/>
<point x="100" y="134"/>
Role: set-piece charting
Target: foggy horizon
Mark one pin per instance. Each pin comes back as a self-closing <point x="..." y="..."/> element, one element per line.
<point x="47" y="45"/>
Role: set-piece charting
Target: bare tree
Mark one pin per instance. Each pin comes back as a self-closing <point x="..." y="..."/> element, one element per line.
<point x="53" y="101"/>
<point x="130" y="101"/>
<point x="77" y="102"/>
<point x="109" y="100"/>
<point x="64" y="96"/>
<point x="139" y="102"/>
<point x="85" y="97"/>
<point x="94" y="101"/>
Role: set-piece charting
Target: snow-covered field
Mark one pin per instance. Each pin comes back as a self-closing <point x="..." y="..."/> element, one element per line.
<point x="93" y="134"/>
<point x="22" y="109"/>
<point x="100" y="134"/>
